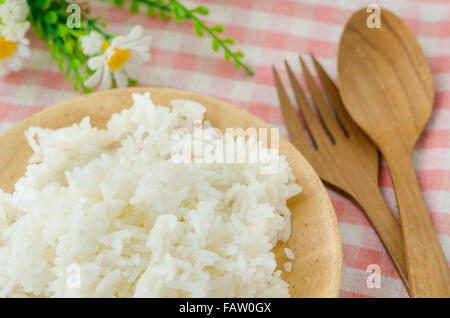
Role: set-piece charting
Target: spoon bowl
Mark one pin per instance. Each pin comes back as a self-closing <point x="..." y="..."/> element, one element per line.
<point x="385" y="78"/>
<point x="387" y="88"/>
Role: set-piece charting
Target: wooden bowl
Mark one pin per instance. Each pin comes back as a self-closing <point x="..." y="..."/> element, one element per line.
<point x="315" y="239"/>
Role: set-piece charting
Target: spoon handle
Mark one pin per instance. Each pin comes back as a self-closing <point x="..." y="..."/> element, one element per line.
<point x="427" y="267"/>
<point x="385" y="224"/>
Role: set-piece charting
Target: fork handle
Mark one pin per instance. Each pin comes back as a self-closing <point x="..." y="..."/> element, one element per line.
<point x="383" y="221"/>
<point x="427" y="267"/>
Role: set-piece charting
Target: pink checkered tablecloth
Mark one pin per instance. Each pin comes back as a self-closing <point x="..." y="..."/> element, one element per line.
<point x="269" y="31"/>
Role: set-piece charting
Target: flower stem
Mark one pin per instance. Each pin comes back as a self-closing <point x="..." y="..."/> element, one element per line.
<point x="173" y="6"/>
<point x="161" y="6"/>
<point x="78" y="77"/>
<point x="213" y="35"/>
<point x="93" y="25"/>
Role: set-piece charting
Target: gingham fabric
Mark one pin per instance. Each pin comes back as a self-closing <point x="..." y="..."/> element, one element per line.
<point x="269" y="31"/>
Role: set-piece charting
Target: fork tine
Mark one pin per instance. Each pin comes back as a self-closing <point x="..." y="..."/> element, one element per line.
<point x="327" y="117"/>
<point x="332" y="93"/>
<point x="295" y="130"/>
<point x="311" y="120"/>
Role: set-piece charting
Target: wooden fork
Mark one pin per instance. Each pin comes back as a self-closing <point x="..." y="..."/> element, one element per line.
<point x="341" y="153"/>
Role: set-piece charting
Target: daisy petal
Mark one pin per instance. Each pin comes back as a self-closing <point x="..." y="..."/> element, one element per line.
<point x="3" y="70"/>
<point x="94" y="79"/>
<point x="15" y="64"/>
<point x="95" y="62"/>
<point x="132" y="69"/>
<point x="135" y="33"/>
<point x="24" y="41"/>
<point x="141" y="44"/>
<point x="106" y="81"/>
<point x="121" y="79"/>
<point x="118" y="42"/>
<point x="23" y="51"/>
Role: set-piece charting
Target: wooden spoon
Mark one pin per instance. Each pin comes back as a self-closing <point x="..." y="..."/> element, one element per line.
<point x="387" y="87"/>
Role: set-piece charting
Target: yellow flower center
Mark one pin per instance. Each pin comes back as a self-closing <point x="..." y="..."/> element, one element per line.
<point x="118" y="59"/>
<point x="7" y="48"/>
<point x="105" y="45"/>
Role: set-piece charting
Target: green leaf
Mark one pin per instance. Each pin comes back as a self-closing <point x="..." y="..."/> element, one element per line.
<point x="119" y="2"/>
<point x="229" y="41"/>
<point x="201" y="10"/>
<point x="89" y="72"/>
<point x="55" y="53"/>
<point x="87" y="90"/>
<point x="61" y="30"/>
<point x="151" y="11"/>
<point x="61" y="64"/>
<point x="215" y="45"/>
<point x="78" y="54"/>
<point x="39" y="29"/>
<point x="163" y="15"/>
<point x="237" y="64"/>
<point x="51" y="17"/>
<point x="239" y="54"/>
<point x="42" y="4"/>
<point x="68" y="74"/>
<point x="132" y="82"/>
<point x="68" y="47"/>
<point x="50" y="43"/>
<point x="75" y="63"/>
<point x="218" y="29"/>
<point x="79" y="77"/>
<point x="179" y="14"/>
<point x="134" y="7"/>
<point x="198" y="29"/>
<point x="226" y="56"/>
<point x="57" y="6"/>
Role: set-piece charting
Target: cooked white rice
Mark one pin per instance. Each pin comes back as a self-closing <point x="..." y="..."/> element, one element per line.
<point x="288" y="266"/>
<point x="289" y="254"/>
<point x="106" y="213"/>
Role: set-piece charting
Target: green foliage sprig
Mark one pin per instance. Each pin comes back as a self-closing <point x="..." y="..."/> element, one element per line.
<point x="166" y="8"/>
<point x="48" y="19"/>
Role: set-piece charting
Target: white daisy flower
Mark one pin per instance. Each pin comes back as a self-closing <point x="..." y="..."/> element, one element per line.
<point x="11" y="55"/>
<point x="121" y="60"/>
<point x="13" y="27"/>
<point x="14" y="10"/>
<point x="91" y="44"/>
<point x="14" y="30"/>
